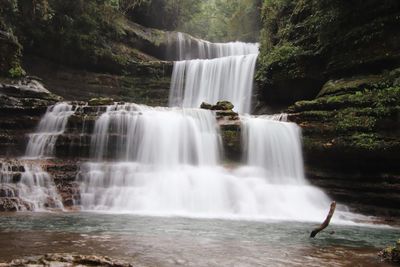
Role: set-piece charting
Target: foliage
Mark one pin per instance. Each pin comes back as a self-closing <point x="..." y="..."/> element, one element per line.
<point x="225" y="20"/>
<point x="163" y="14"/>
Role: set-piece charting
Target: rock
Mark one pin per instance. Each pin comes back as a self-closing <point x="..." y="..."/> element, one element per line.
<point x="223" y="105"/>
<point x="353" y="127"/>
<point x="307" y="43"/>
<point x="28" y="88"/>
<point x="66" y="260"/>
<point x="205" y="105"/>
<point x="10" y="55"/>
<point x="14" y="204"/>
<point x="391" y="254"/>
<point x="145" y="83"/>
<point x="101" y="101"/>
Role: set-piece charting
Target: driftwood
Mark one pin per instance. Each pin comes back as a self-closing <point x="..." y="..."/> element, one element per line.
<point x="326" y="222"/>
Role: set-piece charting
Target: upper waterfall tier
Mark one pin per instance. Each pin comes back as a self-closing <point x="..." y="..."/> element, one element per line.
<point x="157" y="136"/>
<point x="185" y="47"/>
<point x="211" y="80"/>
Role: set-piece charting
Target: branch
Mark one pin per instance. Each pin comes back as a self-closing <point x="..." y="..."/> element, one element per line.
<point x="326" y="222"/>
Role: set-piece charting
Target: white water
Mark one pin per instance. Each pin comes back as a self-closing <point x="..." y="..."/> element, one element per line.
<point x="41" y="143"/>
<point x="186" y="47"/>
<point x="167" y="163"/>
<point x="36" y="186"/>
<point x="227" y="73"/>
<point x="283" y="159"/>
<point x="156" y="136"/>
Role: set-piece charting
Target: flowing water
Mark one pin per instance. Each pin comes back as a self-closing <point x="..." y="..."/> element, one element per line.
<point x="166" y="241"/>
<point x="185" y="47"/>
<point x="221" y="72"/>
<point x="41" y="143"/>
<point x="35" y="189"/>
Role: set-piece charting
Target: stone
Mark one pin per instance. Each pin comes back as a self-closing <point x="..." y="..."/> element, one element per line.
<point x="101" y="101"/>
<point x="12" y="204"/>
<point x="67" y="260"/>
<point x="391" y="254"/>
<point x="205" y="105"/>
<point x="223" y="105"/>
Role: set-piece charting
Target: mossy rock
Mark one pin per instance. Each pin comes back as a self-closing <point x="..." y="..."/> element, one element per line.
<point x="391" y="254"/>
<point x="205" y="105"/>
<point x="101" y="101"/>
<point x="223" y="105"/>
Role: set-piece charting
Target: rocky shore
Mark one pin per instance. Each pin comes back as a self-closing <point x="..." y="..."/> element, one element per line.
<point x="66" y="260"/>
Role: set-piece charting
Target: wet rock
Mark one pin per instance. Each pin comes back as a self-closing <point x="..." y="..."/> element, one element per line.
<point x="8" y="204"/>
<point x="221" y="105"/>
<point x="66" y="260"/>
<point x="205" y="105"/>
<point x="391" y="254"/>
<point x="101" y="101"/>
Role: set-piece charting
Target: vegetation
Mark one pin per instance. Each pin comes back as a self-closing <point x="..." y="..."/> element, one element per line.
<point x="225" y="20"/>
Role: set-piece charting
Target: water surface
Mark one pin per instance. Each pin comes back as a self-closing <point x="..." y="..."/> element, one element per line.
<point x="174" y="241"/>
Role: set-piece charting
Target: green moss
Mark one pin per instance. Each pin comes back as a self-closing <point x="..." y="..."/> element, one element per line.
<point x="283" y="52"/>
<point x="366" y="98"/>
<point x="101" y="101"/>
<point x="16" y="72"/>
<point x="349" y="120"/>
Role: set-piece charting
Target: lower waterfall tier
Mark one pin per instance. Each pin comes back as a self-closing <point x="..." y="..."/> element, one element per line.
<point x="72" y="149"/>
<point x="195" y="191"/>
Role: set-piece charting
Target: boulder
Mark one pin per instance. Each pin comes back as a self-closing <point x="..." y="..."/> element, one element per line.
<point x="221" y="105"/>
<point x="391" y="254"/>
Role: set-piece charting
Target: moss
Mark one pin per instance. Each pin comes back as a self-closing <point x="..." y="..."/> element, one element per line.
<point x="283" y="52"/>
<point x="365" y="98"/>
<point x="348" y="120"/>
<point x="391" y="253"/>
<point x="16" y="72"/>
<point x="344" y="86"/>
<point x="101" y="101"/>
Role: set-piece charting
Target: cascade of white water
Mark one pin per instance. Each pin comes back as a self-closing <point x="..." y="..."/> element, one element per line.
<point x="41" y="143"/>
<point x="36" y="186"/>
<point x="165" y="161"/>
<point x="211" y="80"/>
<point x="158" y="136"/>
<point x="274" y="145"/>
<point x="211" y="72"/>
<point x="186" y="47"/>
<point x="157" y="168"/>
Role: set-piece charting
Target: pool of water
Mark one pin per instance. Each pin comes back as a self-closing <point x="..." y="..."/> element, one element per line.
<point x="175" y="241"/>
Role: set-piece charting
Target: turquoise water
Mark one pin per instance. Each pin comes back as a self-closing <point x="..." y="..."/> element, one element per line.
<point x="174" y="241"/>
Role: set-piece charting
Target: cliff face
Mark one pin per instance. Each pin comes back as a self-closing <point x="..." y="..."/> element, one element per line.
<point x="306" y="43"/>
<point x="335" y="63"/>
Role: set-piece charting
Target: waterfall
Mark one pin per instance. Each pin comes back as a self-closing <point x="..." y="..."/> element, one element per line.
<point x="157" y="136"/>
<point x="35" y="187"/>
<point x="41" y="143"/>
<point x="275" y="145"/>
<point x="165" y="161"/>
<point x="150" y="153"/>
<point x="185" y="47"/>
<point x="220" y="72"/>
